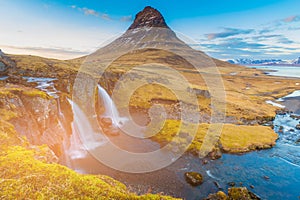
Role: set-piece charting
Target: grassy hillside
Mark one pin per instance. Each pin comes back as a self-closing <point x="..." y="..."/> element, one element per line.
<point x="31" y="172"/>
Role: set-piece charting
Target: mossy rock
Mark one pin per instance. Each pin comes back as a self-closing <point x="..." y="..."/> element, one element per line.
<point x="241" y="193"/>
<point x="234" y="193"/>
<point x="217" y="196"/>
<point x="193" y="178"/>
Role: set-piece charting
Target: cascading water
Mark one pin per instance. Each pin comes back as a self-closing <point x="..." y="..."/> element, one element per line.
<point x="83" y="136"/>
<point x="111" y="110"/>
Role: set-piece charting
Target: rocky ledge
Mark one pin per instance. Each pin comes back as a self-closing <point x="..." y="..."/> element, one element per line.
<point x="234" y="193"/>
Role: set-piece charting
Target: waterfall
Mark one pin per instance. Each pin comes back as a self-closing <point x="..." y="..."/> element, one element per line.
<point x="111" y="110"/>
<point x="83" y="136"/>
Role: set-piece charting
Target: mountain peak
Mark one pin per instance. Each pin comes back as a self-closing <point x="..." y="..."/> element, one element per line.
<point x="149" y="17"/>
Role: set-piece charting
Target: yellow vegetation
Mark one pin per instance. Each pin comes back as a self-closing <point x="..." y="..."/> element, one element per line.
<point x="234" y="138"/>
<point x="24" y="177"/>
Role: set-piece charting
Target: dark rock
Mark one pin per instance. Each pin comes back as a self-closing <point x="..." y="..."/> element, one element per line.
<point x="149" y="17"/>
<point x="298" y="141"/>
<point x="218" y="185"/>
<point x="292" y="130"/>
<point x="295" y="116"/>
<point x="215" y="154"/>
<point x="280" y="129"/>
<point x="298" y="127"/>
<point x="204" y="161"/>
<point x="281" y="112"/>
<point x="5" y="63"/>
<point x="193" y="178"/>
<point x="231" y="184"/>
<point x="253" y="196"/>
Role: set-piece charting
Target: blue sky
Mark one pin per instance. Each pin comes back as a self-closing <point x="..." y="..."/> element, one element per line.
<point x="224" y="29"/>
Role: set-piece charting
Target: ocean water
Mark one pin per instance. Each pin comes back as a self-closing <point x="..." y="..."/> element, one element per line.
<point x="288" y="71"/>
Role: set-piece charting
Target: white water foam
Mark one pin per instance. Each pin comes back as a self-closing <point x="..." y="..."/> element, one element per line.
<point x="111" y="110"/>
<point x="83" y="136"/>
<point x="210" y="175"/>
<point x="275" y="104"/>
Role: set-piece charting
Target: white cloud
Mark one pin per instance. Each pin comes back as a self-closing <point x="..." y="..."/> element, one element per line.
<point x="57" y="53"/>
<point x="92" y="12"/>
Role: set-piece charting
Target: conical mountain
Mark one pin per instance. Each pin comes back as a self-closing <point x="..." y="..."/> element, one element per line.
<point x="151" y="38"/>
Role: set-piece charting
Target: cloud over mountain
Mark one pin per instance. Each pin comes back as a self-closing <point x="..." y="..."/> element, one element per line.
<point x="228" y="32"/>
<point x="92" y="12"/>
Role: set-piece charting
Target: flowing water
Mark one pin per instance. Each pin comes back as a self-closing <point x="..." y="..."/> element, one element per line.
<point x="111" y="110"/>
<point x="44" y="84"/>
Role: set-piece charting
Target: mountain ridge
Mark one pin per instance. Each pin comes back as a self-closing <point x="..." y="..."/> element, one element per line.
<point x="248" y="61"/>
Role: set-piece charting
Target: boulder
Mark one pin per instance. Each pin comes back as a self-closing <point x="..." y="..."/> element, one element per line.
<point x="241" y="193"/>
<point x="193" y="178"/>
<point x="217" y="196"/>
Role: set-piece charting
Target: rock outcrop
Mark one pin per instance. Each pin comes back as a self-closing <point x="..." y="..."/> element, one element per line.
<point x="5" y="63"/>
<point x="193" y="178"/>
<point x="149" y="17"/>
<point x="34" y="114"/>
<point x="234" y="193"/>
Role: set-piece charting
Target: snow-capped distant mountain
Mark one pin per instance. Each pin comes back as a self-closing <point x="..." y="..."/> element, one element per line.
<point x="296" y="61"/>
<point x="247" y="61"/>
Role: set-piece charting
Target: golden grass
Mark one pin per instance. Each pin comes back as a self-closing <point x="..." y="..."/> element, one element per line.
<point x="246" y="91"/>
<point x="234" y="138"/>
